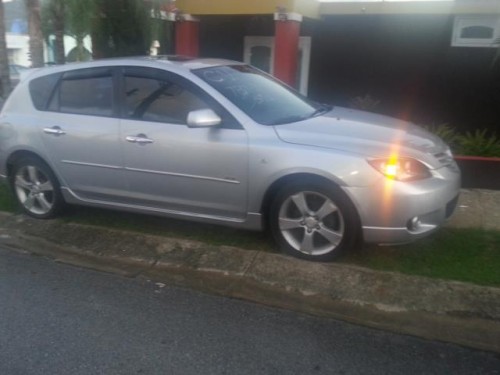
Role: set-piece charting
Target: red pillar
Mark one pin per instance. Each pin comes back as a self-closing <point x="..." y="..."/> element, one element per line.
<point x="286" y="46"/>
<point x="186" y="37"/>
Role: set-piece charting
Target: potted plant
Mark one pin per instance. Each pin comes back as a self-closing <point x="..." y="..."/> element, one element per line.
<point x="476" y="153"/>
<point x="478" y="156"/>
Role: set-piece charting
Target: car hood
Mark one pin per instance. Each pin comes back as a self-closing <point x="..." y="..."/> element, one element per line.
<point x="367" y="134"/>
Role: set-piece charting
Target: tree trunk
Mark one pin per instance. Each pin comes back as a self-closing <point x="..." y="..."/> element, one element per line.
<point x="35" y="33"/>
<point x="4" y="57"/>
<point x="57" y="12"/>
<point x="80" y="48"/>
<point x="96" y="35"/>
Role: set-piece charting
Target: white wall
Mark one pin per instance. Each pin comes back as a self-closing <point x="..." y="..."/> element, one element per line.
<point x="18" y="46"/>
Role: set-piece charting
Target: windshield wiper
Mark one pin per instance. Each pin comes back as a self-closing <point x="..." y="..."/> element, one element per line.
<point x="287" y="120"/>
<point x="324" y="108"/>
<point x="295" y="118"/>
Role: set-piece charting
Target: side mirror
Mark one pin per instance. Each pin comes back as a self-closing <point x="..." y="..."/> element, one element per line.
<point x="203" y="118"/>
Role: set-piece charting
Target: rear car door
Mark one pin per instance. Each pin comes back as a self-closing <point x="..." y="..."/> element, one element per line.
<point x="80" y="131"/>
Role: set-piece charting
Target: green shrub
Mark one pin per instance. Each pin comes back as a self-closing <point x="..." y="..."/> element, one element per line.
<point x="446" y="132"/>
<point x="364" y="103"/>
<point x="479" y="143"/>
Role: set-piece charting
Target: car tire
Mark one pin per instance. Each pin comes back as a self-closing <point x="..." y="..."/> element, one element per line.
<point x="36" y="188"/>
<point x="313" y="221"/>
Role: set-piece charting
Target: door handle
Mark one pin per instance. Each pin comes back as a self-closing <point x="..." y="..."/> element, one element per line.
<point x="55" y="130"/>
<point x="139" y="138"/>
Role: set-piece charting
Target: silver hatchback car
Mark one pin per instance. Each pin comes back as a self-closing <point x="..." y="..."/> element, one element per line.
<point x="221" y="142"/>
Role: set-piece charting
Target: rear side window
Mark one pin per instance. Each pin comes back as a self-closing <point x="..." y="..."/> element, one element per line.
<point x="85" y="92"/>
<point x="41" y="90"/>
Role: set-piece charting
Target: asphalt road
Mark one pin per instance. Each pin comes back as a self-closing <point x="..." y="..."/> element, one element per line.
<point x="58" y="319"/>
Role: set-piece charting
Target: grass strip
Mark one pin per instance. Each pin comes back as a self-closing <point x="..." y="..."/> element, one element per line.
<point x="470" y="255"/>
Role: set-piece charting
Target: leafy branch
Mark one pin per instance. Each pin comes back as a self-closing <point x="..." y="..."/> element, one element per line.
<point x="477" y="143"/>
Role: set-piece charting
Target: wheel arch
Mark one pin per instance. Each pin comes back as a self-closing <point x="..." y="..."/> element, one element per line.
<point x="45" y="200"/>
<point x="20" y="154"/>
<point x="302" y="178"/>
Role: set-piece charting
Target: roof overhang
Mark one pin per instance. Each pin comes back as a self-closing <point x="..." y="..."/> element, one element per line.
<point x="410" y="7"/>
<point x="316" y="8"/>
<point x="307" y="8"/>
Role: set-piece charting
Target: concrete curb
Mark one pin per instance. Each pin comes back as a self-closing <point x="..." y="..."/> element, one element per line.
<point x="454" y="312"/>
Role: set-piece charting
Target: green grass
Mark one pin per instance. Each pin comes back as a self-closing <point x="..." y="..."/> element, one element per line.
<point x="211" y="234"/>
<point x="471" y="255"/>
<point x="7" y="202"/>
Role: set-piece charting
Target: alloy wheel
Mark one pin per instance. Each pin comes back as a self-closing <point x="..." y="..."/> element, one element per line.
<point x="34" y="190"/>
<point x="311" y="223"/>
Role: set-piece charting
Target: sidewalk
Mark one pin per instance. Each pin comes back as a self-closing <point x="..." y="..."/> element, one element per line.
<point x="477" y="209"/>
<point x="449" y="311"/>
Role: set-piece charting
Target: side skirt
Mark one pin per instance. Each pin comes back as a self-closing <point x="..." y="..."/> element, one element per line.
<point x="253" y="221"/>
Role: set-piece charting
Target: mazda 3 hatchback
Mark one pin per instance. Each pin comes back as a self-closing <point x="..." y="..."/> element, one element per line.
<point x="221" y="142"/>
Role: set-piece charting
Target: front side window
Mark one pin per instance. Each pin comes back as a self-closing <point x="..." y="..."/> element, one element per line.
<point x="264" y="99"/>
<point x="156" y="98"/>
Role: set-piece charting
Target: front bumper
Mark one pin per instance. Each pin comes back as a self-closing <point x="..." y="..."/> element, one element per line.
<point x="399" y="212"/>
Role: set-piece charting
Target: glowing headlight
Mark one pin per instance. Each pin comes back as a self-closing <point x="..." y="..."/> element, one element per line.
<point x="402" y="169"/>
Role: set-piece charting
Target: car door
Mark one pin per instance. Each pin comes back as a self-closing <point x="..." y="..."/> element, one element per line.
<point x="169" y="166"/>
<point x="80" y="131"/>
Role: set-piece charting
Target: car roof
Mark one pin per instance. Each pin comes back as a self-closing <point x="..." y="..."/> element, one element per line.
<point x="176" y="63"/>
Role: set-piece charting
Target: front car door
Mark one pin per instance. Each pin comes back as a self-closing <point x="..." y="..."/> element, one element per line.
<point x="174" y="168"/>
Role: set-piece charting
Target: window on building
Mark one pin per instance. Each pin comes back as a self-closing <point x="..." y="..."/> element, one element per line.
<point x="476" y="31"/>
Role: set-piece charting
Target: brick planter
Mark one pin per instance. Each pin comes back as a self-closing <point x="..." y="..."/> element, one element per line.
<point x="479" y="172"/>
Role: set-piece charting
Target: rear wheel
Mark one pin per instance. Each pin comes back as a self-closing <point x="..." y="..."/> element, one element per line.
<point x="36" y="188"/>
<point x="313" y="222"/>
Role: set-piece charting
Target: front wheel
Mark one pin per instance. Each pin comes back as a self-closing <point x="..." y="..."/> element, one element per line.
<point x="36" y="188"/>
<point x="313" y="222"/>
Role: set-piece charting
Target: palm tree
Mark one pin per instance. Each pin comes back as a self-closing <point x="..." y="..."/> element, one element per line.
<point x="35" y="32"/>
<point x="4" y="58"/>
<point x="116" y="27"/>
<point x="124" y="27"/>
<point x="53" y="20"/>
<point x="80" y="18"/>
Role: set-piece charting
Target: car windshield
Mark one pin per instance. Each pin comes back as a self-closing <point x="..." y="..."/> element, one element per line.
<point x="264" y="99"/>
